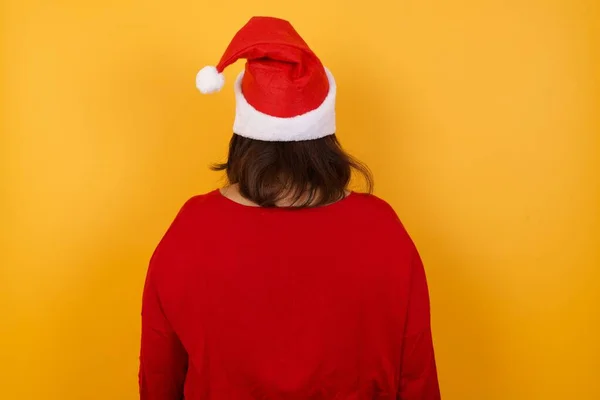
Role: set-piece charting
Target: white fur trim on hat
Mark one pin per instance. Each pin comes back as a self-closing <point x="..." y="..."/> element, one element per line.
<point x="315" y="124"/>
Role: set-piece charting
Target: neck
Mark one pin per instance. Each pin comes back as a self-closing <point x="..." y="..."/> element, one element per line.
<point x="232" y="192"/>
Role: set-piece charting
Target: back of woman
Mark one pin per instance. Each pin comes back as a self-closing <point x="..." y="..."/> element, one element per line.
<point x="284" y="285"/>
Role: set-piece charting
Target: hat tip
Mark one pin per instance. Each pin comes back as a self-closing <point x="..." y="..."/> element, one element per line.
<point x="209" y="80"/>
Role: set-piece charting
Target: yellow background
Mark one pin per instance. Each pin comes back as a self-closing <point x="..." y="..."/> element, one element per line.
<point x="478" y="118"/>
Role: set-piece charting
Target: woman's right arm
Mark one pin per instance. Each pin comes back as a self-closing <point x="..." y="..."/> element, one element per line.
<point x="418" y="379"/>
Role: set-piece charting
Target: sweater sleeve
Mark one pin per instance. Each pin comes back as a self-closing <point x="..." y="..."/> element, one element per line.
<point x="418" y="370"/>
<point x="163" y="360"/>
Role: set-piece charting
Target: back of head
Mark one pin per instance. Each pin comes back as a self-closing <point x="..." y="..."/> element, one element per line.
<point x="284" y="146"/>
<point x="306" y="173"/>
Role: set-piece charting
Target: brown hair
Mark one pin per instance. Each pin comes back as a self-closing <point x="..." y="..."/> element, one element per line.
<point x="311" y="173"/>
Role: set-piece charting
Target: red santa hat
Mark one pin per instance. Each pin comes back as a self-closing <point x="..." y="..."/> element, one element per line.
<point x="284" y="93"/>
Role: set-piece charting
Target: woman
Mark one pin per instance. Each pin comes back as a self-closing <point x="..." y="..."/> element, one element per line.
<point x="284" y="285"/>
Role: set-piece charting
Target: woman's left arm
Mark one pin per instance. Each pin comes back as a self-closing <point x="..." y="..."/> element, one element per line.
<point x="163" y="359"/>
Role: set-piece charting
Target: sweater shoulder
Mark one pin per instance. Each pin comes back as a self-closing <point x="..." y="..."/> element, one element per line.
<point x="199" y="205"/>
<point x="190" y="214"/>
<point x="201" y="201"/>
<point x="380" y="216"/>
<point x="186" y="224"/>
<point x="375" y="207"/>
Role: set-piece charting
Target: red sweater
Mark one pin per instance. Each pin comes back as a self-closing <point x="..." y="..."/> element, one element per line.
<point x="248" y="303"/>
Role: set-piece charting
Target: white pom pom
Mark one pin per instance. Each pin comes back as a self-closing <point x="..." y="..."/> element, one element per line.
<point x="209" y="80"/>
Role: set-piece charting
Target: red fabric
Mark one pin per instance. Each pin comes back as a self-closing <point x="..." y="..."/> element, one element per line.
<point x="248" y="303"/>
<point x="283" y="77"/>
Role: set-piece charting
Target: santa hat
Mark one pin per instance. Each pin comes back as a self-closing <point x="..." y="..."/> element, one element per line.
<point x="284" y="94"/>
